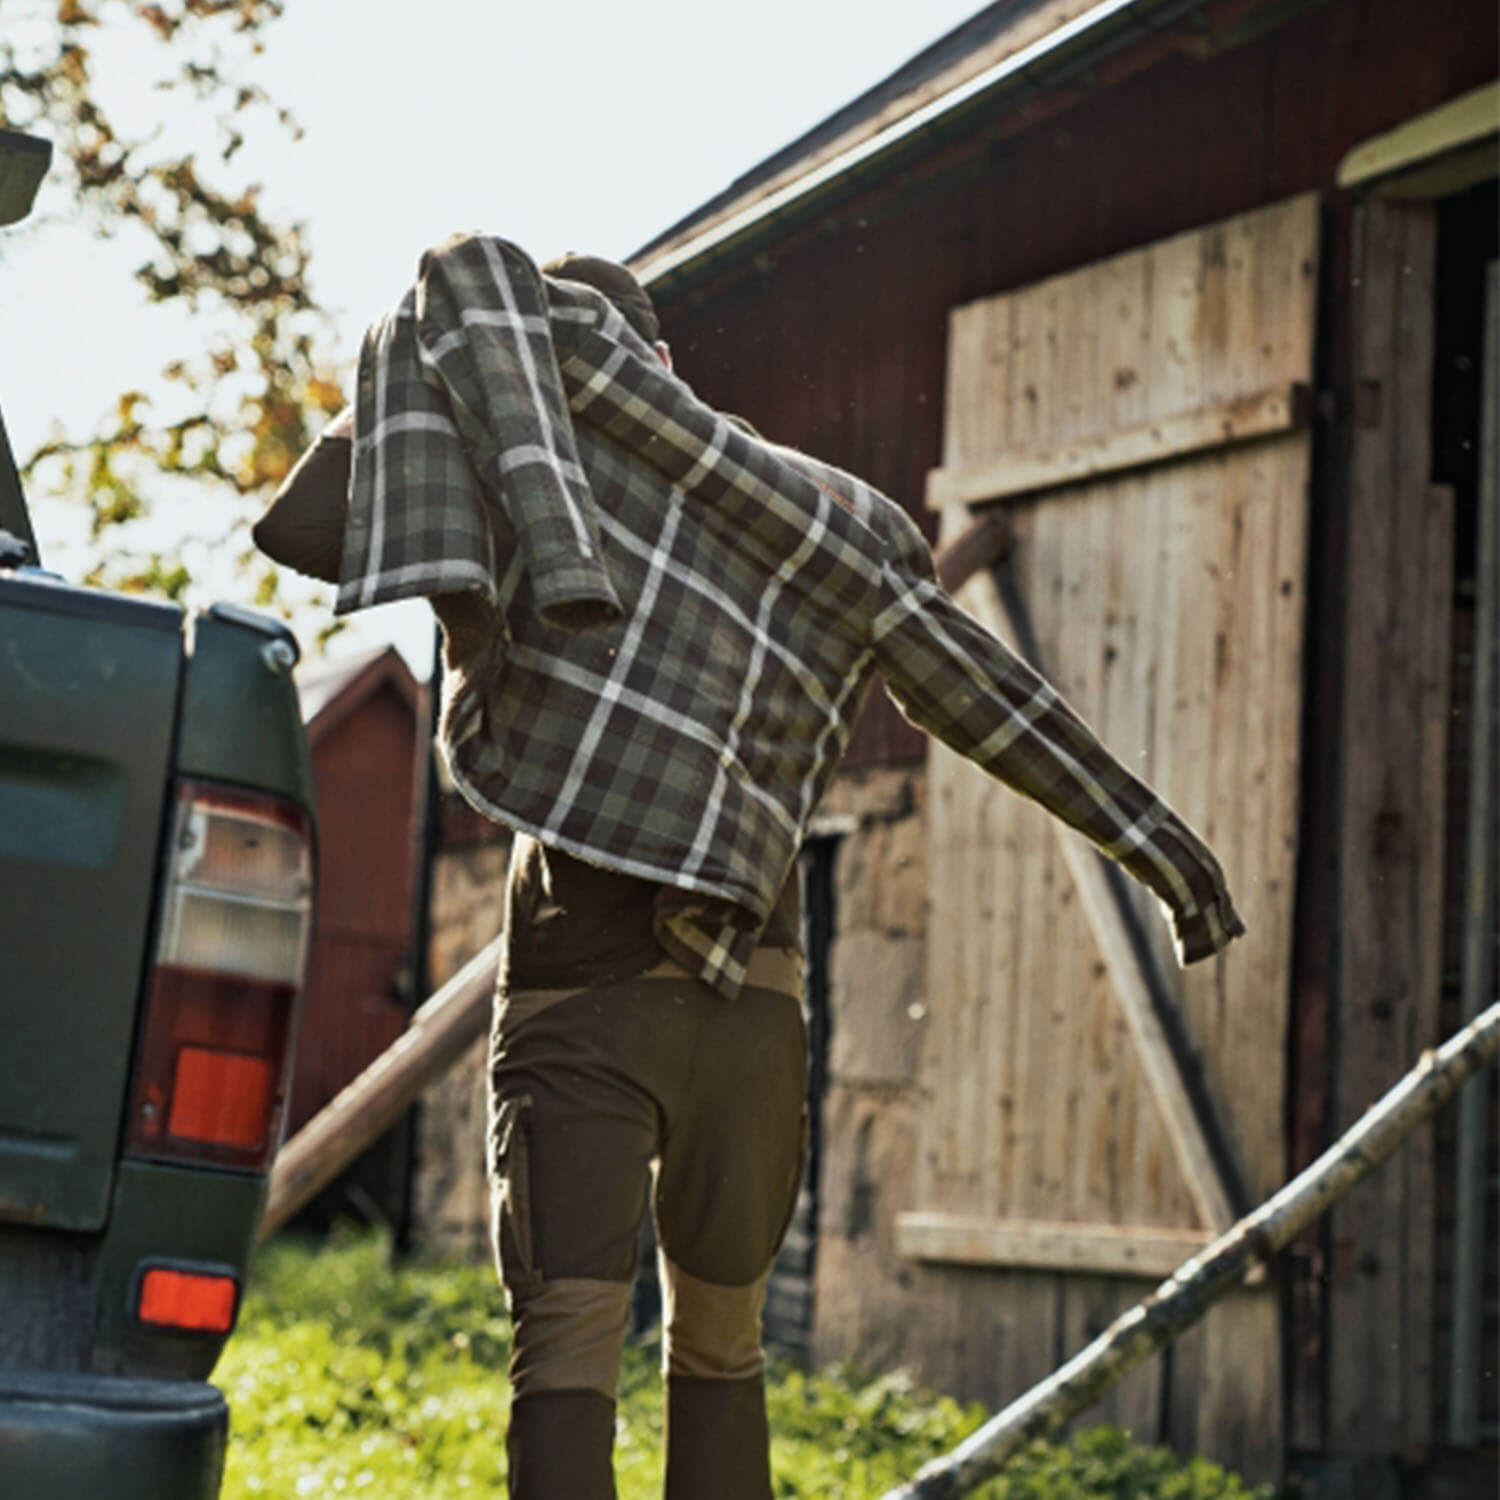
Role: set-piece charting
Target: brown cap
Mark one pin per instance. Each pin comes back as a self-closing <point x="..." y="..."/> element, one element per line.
<point x="616" y="283"/>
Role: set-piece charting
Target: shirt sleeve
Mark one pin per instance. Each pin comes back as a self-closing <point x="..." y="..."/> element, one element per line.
<point x="485" y="341"/>
<point x="953" y="678"/>
<point x="304" y="526"/>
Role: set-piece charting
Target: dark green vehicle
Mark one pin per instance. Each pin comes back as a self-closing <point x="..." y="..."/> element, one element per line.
<point x="156" y="885"/>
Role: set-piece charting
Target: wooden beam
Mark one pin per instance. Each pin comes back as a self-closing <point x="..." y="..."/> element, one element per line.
<point x="440" y="1033"/>
<point x="1140" y="994"/>
<point x="983" y="543"/>
<point x="1139" y="998"/>
<point x="1470" y="120"/>
<point x="1219" y="425"/>
<point x="1105" y="1249"/>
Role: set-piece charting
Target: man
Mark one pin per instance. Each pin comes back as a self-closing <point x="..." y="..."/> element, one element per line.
<point x="659" y="629"/>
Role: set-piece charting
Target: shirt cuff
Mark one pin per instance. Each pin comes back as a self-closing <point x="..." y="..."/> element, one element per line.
<point x="1207" y="930"/>
<point x="575" y="597"/>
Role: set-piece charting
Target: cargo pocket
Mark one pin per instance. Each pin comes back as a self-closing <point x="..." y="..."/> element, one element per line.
<point x="510" y="1199"/>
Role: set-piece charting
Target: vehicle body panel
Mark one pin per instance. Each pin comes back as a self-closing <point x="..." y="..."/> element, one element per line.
<point x="88" y="702"/>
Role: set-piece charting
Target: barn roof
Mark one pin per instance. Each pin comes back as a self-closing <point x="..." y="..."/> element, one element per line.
<point x="330" y="688"/>
<point x="1011" y="49"/>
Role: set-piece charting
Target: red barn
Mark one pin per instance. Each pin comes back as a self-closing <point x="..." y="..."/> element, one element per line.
<point x="366" y="723"/>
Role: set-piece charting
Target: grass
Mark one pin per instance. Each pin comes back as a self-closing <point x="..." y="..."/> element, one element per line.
<point x="350" y="1376"/>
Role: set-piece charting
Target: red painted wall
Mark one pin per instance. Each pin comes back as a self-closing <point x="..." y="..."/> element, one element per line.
<point x="365" y="776"/>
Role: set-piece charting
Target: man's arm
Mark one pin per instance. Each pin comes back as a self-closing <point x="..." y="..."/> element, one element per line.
<point x="954" y="679"/>
<point x="304" y="525"/>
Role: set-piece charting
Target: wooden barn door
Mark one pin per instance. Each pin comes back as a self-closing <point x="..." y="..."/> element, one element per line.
<point x="1091" y="1113"/>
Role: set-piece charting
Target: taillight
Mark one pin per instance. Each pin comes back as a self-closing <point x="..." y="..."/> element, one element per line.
<point x="197" y="1301"/>
<point x="211" y="1073"/>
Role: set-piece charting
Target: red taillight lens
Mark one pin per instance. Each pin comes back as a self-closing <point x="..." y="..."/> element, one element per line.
<point x="210" y="1079"/>
<point x="186" y="1299"/>
<point x="222" y="1097"/>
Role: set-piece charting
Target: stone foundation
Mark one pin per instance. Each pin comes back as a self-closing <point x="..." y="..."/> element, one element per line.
<point x="878" y="1011"/>
<point x="450" y="1197"/>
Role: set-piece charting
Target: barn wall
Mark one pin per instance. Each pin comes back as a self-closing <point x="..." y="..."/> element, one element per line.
<point x="834" y="340"/>
<point x="363" y="916"/>
<point x="357" y="996"/>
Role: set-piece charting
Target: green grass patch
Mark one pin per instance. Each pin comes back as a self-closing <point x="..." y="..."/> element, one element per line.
<point x="349" y="1375"/>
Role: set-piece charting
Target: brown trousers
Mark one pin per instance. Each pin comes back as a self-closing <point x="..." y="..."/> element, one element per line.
<point x="603" y="1097"/>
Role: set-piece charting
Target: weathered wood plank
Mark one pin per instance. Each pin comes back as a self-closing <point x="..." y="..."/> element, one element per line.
<point x="1068" y="1245"/>
<point x="1221" y="425"/>
<point x="1391" y="831"/>
<point x="1133" y="987"/>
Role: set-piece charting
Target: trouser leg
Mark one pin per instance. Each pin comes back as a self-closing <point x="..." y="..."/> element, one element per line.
<point x="587" y="1089"/>
<point x="731" y="1169"/>
<point x="559" y="1445"/>
<point x="718" y="1445"/>
<point x="571" y="1144"/>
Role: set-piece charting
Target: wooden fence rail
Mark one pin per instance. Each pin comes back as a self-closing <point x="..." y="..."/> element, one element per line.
<point x="440" y="1033"/>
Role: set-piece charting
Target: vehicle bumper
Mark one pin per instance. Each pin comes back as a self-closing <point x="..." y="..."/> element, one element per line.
<point x="110" y="1438"/>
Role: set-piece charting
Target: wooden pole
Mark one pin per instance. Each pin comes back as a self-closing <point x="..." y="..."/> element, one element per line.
<point x="440" y="1033"/>
<point x="1193" y="1288"/>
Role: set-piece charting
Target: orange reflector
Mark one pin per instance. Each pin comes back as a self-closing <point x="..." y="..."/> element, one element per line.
<point x="221" y="1097"/>
<point x="186" y="1299"/>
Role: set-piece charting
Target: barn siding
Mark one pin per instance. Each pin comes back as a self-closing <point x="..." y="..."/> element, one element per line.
<point x="351" y="1011"/>
<point x="833" y="339"/>
<point x="354" y="1005"/>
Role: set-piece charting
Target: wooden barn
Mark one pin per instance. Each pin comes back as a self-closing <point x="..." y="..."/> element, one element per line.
<point x="367" y="727"/>
<point x="1196" y="292"/>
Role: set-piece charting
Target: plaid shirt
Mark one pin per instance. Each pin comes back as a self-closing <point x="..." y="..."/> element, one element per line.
<point x="684" y="619"/>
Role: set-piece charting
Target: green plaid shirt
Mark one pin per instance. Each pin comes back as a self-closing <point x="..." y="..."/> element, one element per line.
<point x="684" y="618"/>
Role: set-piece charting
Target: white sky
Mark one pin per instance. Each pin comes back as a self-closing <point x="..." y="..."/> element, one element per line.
<point x="592" y="126"/>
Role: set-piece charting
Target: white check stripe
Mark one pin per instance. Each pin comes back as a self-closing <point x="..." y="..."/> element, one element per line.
<point x="447" y="576"/>
<point x="709" y="459"/>
<point x="483" y="317"/>
<point x="602" y="379"/>
<point x="513" y="321"/>
<point x="526" y="455"/>
<point x="546" y="664"/>
<point x="533" y="385"/>
<point x="807" y="680"/>
<point x="665" y="871"/>
<point x="611" y="690"/>
<point x="1018" y="721"/>
<point x="375" y="546"/>
<point x="402" y="422"/>
<point x="837" y="725"/>
<point x="713" y="808"/>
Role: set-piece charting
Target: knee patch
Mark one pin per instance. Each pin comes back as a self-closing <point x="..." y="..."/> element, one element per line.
<point x="568" y="1335"/>
<point x="711" y="1332"/>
